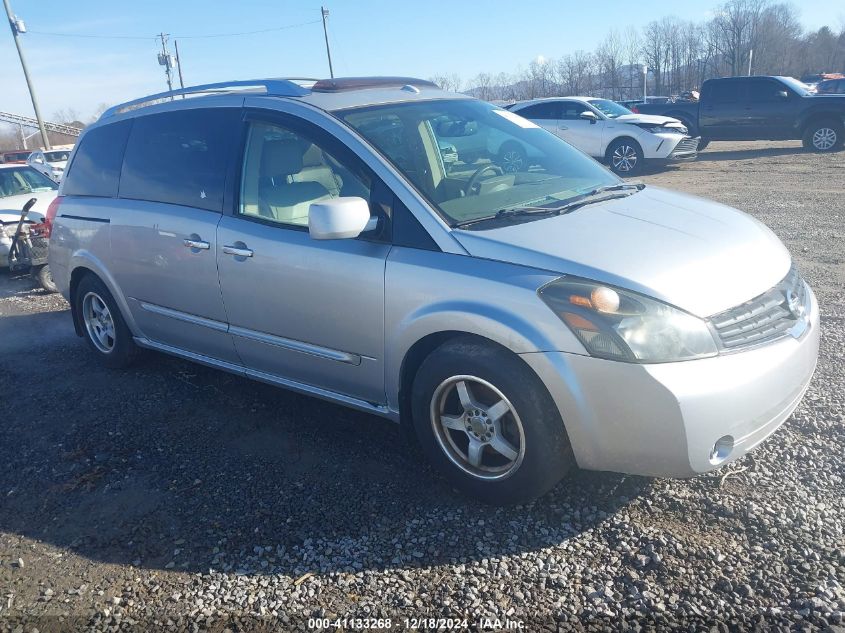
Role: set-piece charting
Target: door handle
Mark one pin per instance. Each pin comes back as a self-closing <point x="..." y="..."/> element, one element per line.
<point x="198" y="244"/>
<point x="563" y="127"/>
<point x="237" y="251"/>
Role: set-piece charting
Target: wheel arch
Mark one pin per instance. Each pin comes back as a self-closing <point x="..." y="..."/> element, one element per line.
<point x="86" y="263"/>
<point x="816" y="116"/>
<point x="424" y="347"/>
<point x="686" y="119"/>
<point x="616" y="139"/>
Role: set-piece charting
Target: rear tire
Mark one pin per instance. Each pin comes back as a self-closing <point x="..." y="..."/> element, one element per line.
<point x="499" y="438"/>
<point x="102" y="324"/>
<point x="826" y="135"/>
<point x="625" y="157"/>
<point x="45" y="279"/>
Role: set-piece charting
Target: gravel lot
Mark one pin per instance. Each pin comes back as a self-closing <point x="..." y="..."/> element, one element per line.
<point x="172" y="496"/>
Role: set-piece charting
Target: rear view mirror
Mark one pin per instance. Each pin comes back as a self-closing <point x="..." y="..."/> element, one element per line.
<point x="456" y="127"/>
<point x="782" y="94"/>
<point x="339" y="219"/>
<point x="589" y="116"/>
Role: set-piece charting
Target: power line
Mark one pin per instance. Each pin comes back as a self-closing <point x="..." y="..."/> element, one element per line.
<point x="98" y="37"/>
<point x="183" y="37"/>
<point x="278" y="28"/>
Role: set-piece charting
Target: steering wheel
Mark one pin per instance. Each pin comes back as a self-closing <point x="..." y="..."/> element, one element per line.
<point x="475" y="180"/>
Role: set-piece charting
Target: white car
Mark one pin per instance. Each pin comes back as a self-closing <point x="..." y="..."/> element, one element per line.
<point x="611" y="132"/>
<point x="19" y="183"/>
<point x="51" y="163"/>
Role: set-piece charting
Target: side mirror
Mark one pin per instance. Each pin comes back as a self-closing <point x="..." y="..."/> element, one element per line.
<point x="782" y="94"/>
<point x="590" y="116"/>
<point x="339" y="219"/>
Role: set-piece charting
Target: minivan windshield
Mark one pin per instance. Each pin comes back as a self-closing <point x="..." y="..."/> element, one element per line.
<point x="15" y="181"/>
<point x="473" y="160"/>
<point x="609" y="108"/>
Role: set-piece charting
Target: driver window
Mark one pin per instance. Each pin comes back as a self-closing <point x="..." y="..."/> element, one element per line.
<point x="286" y="171"/>
<point x="571" y="110"/>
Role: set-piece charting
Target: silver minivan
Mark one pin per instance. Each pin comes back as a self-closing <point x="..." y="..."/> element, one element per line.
<point x="322" y="236"/>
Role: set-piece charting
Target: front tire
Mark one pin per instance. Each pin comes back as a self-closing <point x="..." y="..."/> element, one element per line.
<point x="102" y="323"/>
<point x="488" y="424"/>
<point x="824" y="136"/>
<point x="625" y="157"/>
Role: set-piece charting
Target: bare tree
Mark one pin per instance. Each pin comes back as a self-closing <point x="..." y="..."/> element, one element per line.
<point x="451" y="82"/>
<point x="735" y="30"/>
<point x="632" y="45"/>
<point x="609" y="56"/>
<point x="680" y="56"/>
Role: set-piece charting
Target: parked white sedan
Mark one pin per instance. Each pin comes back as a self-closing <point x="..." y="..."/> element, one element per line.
<point x="19" y="183"/>
<point x="611" y="132"/>
<point x="51" y="163"/>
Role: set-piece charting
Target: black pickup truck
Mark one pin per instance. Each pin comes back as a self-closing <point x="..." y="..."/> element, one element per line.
<point x="760" y="108"/>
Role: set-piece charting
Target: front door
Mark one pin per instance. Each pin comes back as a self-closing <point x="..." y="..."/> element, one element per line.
<point x="300" y="309"/>
<point x="770" y="113"/>
<point x="164" y="230"/>
<point x="583" y="134"/>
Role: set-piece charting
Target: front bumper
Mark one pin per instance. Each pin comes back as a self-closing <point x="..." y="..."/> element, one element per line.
<point x="663" y="420"/>
<point x="671" y="147"/>
<point x="686" y="149"/>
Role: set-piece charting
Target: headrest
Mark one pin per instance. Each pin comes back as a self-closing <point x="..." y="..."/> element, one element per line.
<point x="313" y="156"/>
<point x="281" y="158"/>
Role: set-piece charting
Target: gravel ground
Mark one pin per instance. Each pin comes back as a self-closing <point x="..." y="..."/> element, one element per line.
<point x="172" y="496"/>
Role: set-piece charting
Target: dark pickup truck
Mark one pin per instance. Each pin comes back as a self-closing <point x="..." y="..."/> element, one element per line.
<point x="760" y="108"/>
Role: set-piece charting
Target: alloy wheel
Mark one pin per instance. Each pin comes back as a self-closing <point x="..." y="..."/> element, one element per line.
<point x="624" y="158"/>
<point x="824" y="138"/>
<point x="513" y="161"/>
<point x="477" y="427"/>
<point x="98" y="322"/>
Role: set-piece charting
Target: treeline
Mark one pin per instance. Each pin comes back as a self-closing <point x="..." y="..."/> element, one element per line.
<point x="679" y="54"/>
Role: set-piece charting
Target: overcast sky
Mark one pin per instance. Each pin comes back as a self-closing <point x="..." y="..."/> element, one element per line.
<point x="367" y="37"/>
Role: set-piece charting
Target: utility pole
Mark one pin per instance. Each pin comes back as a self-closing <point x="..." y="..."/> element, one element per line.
<point x="179" y="64"/>
<point x="18" y="27"/>
<point x="325" y="13"/>
<point x="750" y="57"/>
<point x="645" y="83"/>
<point x="165" y="59"/>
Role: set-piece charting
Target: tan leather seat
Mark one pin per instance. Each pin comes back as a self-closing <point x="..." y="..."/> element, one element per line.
<point x="280" y="196"/>
<point x="314" y="169"/>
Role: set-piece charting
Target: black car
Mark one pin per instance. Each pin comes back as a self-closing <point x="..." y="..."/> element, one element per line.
<point x="760" y="108"/>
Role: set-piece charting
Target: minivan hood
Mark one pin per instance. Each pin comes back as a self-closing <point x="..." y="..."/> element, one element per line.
<point x="698" y="255"/>
<point x="649" y="119"/>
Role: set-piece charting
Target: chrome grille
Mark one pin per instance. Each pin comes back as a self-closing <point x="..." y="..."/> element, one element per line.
<point x="686" y="146"/>
<point x="765" y="318"/>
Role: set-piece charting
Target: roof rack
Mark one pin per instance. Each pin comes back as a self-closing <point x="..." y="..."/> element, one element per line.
<point x="358" y="83"/>
<point x="282" y="87"/>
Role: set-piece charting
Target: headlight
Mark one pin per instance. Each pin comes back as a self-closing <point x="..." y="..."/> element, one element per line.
<point x="622" y="325"/>
<point x="662" y="129"/>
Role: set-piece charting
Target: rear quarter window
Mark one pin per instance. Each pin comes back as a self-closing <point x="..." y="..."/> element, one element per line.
<point x="547" y="110"/>
<point x="95" y="170"/>
<point x="180" y="157"/>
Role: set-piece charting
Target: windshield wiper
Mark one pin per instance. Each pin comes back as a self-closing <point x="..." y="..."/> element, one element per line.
<point x="590" y="197"/>
<point x="622" y="186"/>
